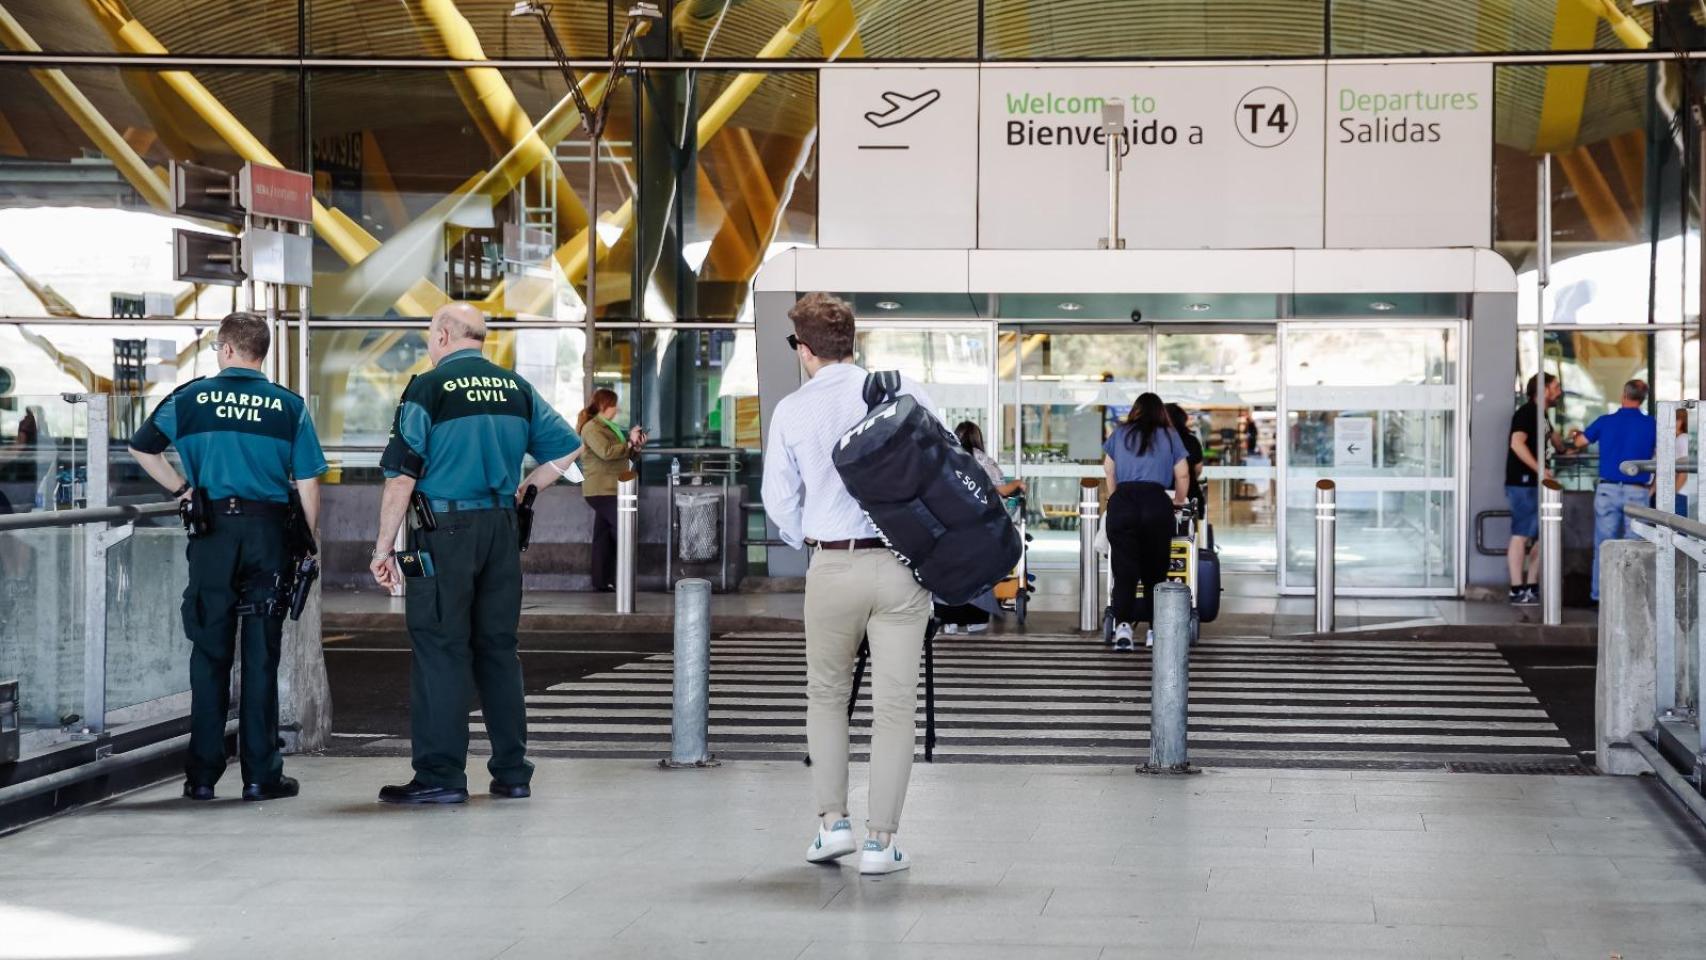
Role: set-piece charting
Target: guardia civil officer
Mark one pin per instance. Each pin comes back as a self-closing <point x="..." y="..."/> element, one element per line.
<point x="243" y="442"/>
<point x="454" y="463"/>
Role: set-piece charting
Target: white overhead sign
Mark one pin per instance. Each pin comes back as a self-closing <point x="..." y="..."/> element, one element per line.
<point x="1351" y="155"/>
<point x="1214" y="157"/>
<point x="898" y="152"/>
<point x="1409" y="155"/>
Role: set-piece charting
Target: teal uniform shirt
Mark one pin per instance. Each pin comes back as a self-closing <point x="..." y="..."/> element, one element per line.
<point x="463" y="427"/>
<point x="238" y="435"/>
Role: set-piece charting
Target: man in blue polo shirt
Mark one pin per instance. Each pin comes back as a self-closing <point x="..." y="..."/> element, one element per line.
<point x="1627" y="434"/>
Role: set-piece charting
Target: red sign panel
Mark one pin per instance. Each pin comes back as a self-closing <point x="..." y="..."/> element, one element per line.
<point x="277" y="193"/>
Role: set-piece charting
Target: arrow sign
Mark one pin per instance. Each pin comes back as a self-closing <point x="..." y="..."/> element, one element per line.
<point x="1353" y="441"/>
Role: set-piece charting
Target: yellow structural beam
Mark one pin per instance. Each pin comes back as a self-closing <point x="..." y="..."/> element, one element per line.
<point x="1593" y="192"/>
<point x="1626" y="28"/>
<point x="1574" y="24"/>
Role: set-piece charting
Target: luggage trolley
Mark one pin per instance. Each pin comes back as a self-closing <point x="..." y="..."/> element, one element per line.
<point x="1014" y="592"/>
<point x="1192" y="561"/>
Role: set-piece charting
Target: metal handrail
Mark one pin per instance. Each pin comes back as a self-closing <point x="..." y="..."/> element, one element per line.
<point x="1633" y="468"/>
<point x="1659" y="518"/>
<point x="42" y="519"/>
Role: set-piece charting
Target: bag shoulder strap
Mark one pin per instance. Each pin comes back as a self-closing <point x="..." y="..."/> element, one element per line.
<point x="881" y="386"/>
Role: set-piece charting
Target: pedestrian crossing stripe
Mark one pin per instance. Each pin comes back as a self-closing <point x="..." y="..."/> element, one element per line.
<point x="1065" y="699"/>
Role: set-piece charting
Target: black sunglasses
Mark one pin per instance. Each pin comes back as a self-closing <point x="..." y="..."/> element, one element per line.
<point x="794" y="343"/>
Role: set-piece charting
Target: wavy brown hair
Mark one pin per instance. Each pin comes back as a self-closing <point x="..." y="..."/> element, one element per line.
<point x="601" y="398"/>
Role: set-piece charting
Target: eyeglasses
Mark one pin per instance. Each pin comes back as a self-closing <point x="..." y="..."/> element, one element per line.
<point x="217" y="345"/>
<point x="795" y="343"/>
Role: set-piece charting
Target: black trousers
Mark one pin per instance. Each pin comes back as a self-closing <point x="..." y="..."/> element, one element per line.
<point x="603" y="569"/>
<point x="462" y="630"/>
<point x="237" y="563"/>
<point x="1140" y="536"/>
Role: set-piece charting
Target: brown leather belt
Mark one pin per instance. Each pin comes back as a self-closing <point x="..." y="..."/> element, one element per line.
<point x="864" y="543"/>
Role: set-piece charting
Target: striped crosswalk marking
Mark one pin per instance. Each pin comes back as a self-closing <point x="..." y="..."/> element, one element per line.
<point x="1050" y="699"/>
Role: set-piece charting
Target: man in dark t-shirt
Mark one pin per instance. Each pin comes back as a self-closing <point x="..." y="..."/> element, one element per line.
<point x="1523" y="473"/>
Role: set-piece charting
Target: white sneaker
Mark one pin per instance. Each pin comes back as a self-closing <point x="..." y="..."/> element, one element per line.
<point x="832" y="844"/>
<point x="977" y="628"/>
<point x="1122" y="637"/>
<point x="1149" y="639"/>
<point x="950" y="628"/>
<point x="877" y="859"/>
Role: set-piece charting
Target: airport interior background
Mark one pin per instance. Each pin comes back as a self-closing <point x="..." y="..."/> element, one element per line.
<point x="710" y="167"/>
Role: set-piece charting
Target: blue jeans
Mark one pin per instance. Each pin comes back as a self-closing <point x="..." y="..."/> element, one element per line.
<point x="1609" y="499"/>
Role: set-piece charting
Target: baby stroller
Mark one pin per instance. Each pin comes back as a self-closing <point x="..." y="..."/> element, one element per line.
<point x="1192" y="561"/>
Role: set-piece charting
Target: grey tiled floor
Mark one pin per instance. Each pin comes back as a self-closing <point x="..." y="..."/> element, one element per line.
<point x="616" y="859"/>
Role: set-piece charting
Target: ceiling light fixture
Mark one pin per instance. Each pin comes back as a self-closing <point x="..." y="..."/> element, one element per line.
<point x="1383" y="306"/>
<point x="1199" y="307"/>
<point x="1071" y="307"/>
<point x="888" y="304"/>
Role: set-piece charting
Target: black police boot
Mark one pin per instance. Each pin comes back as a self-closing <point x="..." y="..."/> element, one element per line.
<point x="284" y="788"/>
<point x="511" y="791"/>
<point x="417" y="792"/>
<point x="197" y="791"/>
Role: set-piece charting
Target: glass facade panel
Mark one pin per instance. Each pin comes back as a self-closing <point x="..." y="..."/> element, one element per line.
<point x="1124" y="29"/>
<point x="466" y="30"/>
<point x="245" y="27"/>
<point x="1475" y="26"/>
<point x="848" y="30"/>
<point x="84" y="222"/>
<point x="495" y="215"/>
<point x="747" y="198"/>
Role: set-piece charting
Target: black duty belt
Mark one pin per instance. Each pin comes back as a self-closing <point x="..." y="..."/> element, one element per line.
<point x="492" y="502"/>
<point x="239" y="507"/>
<point x="863" y="543"/>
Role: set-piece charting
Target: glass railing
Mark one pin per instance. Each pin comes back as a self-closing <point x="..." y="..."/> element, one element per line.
<point x="88" y="592"/>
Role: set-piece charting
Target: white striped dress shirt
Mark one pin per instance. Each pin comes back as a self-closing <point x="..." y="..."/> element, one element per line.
<point x="803" y="494"/>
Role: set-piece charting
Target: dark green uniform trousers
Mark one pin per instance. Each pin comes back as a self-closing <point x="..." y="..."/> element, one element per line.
<point x="236" y="564"/>
<point x="462" y="623"/>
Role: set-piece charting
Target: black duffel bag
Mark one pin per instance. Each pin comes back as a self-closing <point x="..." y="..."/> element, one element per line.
<point x="926" y="495"/>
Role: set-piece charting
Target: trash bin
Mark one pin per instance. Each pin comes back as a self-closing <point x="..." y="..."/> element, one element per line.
<point x="696" y="518"/>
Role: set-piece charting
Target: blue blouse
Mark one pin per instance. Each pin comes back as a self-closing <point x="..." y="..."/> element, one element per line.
<point x="1154" y="465"/>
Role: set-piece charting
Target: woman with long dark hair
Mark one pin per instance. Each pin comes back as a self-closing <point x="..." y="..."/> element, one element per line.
<point x="607" y="448"/>
<point x="1144" y="461"/>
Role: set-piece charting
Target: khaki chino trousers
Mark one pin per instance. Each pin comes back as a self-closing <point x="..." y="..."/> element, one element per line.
<point x="850" y="595"/>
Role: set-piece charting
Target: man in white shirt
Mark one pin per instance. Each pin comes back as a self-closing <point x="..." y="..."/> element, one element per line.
<point x="855" y="588"/>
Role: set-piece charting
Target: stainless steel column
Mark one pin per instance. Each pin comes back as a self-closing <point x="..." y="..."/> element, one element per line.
<point x="1170" y="687"/>
<point x="691" y="717"/>
<point x="1326" y="549"/>
<point x="627" y="538"/>
<point x="1113" y="128"/>
<point x="1089" y="562"/>
<point x="1551" y="553"/>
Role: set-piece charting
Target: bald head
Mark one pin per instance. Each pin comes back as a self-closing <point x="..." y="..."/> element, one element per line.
<point x="455" y="326"/>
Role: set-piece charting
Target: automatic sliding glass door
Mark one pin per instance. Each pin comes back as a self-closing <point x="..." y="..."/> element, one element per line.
<point x="1062" y="391"/>
<point x="954" y="360"/>
<point x="1374" y="408"/>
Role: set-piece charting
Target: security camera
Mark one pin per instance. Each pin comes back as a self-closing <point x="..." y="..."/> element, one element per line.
<point x="1136" y="315"/>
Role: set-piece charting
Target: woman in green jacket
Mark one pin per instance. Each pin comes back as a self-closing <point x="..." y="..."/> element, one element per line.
<point x="607" y="449"/>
